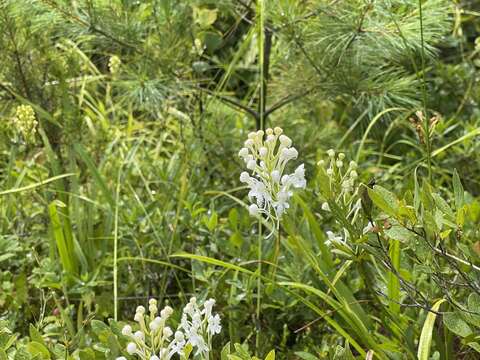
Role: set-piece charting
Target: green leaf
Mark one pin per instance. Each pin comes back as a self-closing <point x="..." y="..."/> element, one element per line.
<point x="384" y="199"/>
<point x="305" y="356"/>
<point x="427" y="330"/>
<point x="35" y="335"/>
<point x="3" y="355"/>
<point x="398" y="232"/>
<point x="205" y="17"/>
<point x="458" y="190"/>
<point x="36" y="348"/>
<point x="86" y="354"/>
<point x="225" y="351"/>
<point x="270" y="355"/>
<point x="456" y="324"/>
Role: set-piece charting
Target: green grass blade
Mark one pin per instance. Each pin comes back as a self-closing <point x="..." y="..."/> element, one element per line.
<point x="427" y="330"/>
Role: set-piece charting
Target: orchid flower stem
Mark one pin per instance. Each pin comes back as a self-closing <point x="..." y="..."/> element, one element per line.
<point x="259" y="286"/>
<point x="276" y="253"/>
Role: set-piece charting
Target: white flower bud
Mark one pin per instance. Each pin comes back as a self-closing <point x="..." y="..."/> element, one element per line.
<point x="285" y="179"/>
<point x="269" y="131"/>
<point x="353" y="174"/>
<point x="167" y="332"/>
<point x="127" y="330"/>
<point x="277" y="130"/>
<point x="325" y="206"/>
<point x="166" y="312"/>
<point x="131" y="348"/>
<point x="275" y="175"/>
<point x="263" y="151"/>
<point x="341" y="156"/>
<point x="253" y="210"/>
<point x="152" y="309"/>
<point x="139" y="335"/>
<point x="243" y="152"/>
<point x="152" y="302"/>
<point x="353" y="165"/>
<point x="193" y="300"/>
<point x="260" y="134"/>
<point x="154" y="325"/>
<point x="321" y="163"/>
<point x="285" y="140"/>
<point x="329" y="171"/>
<point x="331" y="153"/>
<point x="251" y="164"/>
<point x="252" y="135"/>
<point x="248" y="143"/>
<point x="270" y="139"/>
<point x="140" y="310"/>
<point x="179" y="337"/>
<point x="138" y="317"/>
<point x="339" y="164"/>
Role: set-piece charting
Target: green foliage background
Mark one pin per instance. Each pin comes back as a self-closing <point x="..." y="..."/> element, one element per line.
<point x="129" y="188"/>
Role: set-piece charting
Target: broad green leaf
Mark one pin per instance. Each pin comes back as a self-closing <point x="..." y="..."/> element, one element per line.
<point x="35" y="335"/>
<point x="225" y="351"/>
<point x="37" y="349"/>
<point x="384" y="199"/>
<point x="427" y="330"/>
<point x="398" y="232"/>
<point x="456" y="324"/>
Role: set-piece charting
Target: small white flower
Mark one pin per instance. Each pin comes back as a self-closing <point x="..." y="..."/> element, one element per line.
<point x="140" y="310"/>
<point x="331" y="153"/>
<point x="353" y="174"/>
<point x="329" y="171"/>
<point x="263" y="151"/>
<point x="249" y="143"/>
<point x="166" y="312"/>
<point x="269" y="131"/>
<point x="251" y="164"/>
<point x="353" y="165"/>
<point x="277" y="130"/>
<point x="341" y="156"/>
<point x="253" y="209"/>
<point x="152" y="309"/>
<point x="139" y="335"/>
<point x="243" y="153"/>
<point x="270" y="139"/>
<point x="152" y="302"/>
<point x="275" y="175"/>
<point x="138" y="317"/>
<point x="244" y="177"/>
<point x="131" y="348"/>
<point x="121" y="358"/>
<point x="285" y="141"/>
<point x="368" y="228"/>
<point x="127" y="330"/>
<point x="339" y="164"/>
<point x="167" y="332"/>
<point x="154" y="326"/>
<point x="154" y="357"/>
<point x="298" y="178"/>
<point x="325" y="206"/>
<point x="214" y="326"/>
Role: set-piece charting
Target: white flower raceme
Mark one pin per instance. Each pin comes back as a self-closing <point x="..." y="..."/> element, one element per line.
<point x="156" y="341"/>
<point x="266" y="155"/>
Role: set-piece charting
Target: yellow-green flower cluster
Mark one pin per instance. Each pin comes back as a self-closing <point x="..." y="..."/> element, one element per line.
<point x="114" y="64"/>
<point x="25" y="122"/>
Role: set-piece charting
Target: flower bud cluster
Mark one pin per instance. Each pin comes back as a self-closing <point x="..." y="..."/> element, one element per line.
<point x="25" y="122"/>
<point x="266" y="155"/>
<point x="342" y="178"/>
<point x="114" y="64"/>
<point x="154" y="340"/>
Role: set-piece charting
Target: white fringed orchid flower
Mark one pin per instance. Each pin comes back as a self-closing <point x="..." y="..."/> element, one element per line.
<point x="156" y="341"/>
<point x="266" y="155"/>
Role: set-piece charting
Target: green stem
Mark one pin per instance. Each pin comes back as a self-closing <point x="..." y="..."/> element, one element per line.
<point x="426" y="123"/>
<point x="259" y="286"/>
